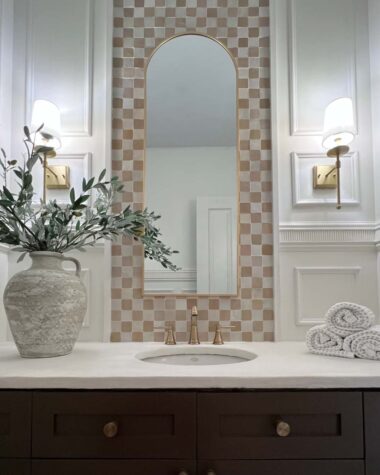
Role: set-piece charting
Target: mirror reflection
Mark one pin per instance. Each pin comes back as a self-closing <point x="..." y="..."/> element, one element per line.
<point x="191" y="165"/>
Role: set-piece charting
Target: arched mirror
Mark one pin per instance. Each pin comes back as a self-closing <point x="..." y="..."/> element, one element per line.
<point x="191" y="165"/>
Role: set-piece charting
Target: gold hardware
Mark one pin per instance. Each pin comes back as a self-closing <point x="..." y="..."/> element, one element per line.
<point x="282" y="428"/>
<point x="49" y="153"/>
<point x="218" y="338"/>
<point x="170" y="337"/>
<point x="328" y="176"/>
<point x="194" y="337"/>
<point x="324" y="177"/>
<point x="211" y="472"/>
<point x="110" y="429"/>
<point x="183" y="472"/>
<point x="337" y="152"/>
<point x="57" y="177"/>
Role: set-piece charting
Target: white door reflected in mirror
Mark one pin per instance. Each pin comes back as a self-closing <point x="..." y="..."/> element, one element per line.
<point x="191" y="165"/>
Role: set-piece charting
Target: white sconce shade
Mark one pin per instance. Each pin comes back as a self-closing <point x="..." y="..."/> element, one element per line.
<point x="339" y="127"/>
<point x="47" y="113"/>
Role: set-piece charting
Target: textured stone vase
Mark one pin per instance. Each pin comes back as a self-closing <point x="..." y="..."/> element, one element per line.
<point x="45" y="306"/>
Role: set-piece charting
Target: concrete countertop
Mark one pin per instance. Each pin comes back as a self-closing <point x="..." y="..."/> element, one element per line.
<point x="282" y="365"/>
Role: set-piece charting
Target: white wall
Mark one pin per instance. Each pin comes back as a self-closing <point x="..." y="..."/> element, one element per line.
<point x="374" y="43"/>
<point x="320" y="51"/>
<point x="62" y="51"/>
<point x="6" y="44"/>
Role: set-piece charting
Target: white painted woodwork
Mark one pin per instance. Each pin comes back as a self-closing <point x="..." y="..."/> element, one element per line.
<point x="216" y="245"/>
<point x="320" y="51"/>
<point x="318" y="288"/>
<point x="80" y="166"/>
<point x="322" y="63"/>
<point x="314" y="278"/>
<point x="62" y="51"/>
<point x="6" y="45"/>
<point x="290" y="80"/>
<point x="61" y="32"/>
<point x="304" y="193"/>
<point x="374" y="48"/>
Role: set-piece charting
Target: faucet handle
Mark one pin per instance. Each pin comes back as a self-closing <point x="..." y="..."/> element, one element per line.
<point x="218" y="338"/>
<point x="170" y="336"/>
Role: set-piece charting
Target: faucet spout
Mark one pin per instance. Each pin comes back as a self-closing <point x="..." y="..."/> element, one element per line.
<point x="194" y="337"/>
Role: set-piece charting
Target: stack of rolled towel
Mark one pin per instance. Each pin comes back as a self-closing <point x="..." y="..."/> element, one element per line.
<point x="349" y="332"/>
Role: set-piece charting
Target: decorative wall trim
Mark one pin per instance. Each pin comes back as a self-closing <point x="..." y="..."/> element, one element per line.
<point x="86" y="159"/>
<point x="295" y="127"/>
<point x="6" y="72"/>
<point x="351" y="159"/>
<point x="299" y="272"/>
<point x="328" y="233"/>
<point x="86" y="131"/>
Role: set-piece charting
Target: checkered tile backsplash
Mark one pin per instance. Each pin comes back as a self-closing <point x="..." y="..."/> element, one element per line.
<point x="243" y="27"/>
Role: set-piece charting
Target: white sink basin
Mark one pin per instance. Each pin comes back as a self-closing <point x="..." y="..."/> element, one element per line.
<point x="196" y="356"/>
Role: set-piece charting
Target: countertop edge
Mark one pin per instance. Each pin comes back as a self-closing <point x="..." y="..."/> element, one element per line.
<point x="188" y="383"/>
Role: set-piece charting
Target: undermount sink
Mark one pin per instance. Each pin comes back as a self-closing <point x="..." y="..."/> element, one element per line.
<point x="196" y="356"/>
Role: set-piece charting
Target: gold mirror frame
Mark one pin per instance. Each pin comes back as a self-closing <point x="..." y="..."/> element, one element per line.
<point x="187" y="295"/>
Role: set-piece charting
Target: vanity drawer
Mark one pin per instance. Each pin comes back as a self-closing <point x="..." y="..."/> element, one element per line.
<point x="244" y="426"/>
<point x="283" y="467"/>
<point x="138" y="425"/>
<point x="114" y="467"/>
<point x="372" y="431"/>
<point x="14" y="467"/>
<point x="15" y="424"/>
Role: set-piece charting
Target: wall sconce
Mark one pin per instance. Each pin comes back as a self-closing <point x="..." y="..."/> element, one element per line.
<point x="47" y="113"/>
<point x="338" y="133"/>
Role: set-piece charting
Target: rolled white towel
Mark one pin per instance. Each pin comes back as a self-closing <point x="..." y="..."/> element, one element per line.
<point x="346" y="318"/>
<point x="322" y="341"/>
<point x="365" y="344"/>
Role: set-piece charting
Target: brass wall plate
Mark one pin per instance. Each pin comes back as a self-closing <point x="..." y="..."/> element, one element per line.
<point x="57" y="177"/>
<point x="324" y="177"/>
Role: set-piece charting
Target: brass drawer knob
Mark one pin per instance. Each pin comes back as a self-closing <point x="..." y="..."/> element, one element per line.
<point x="183" y="472"/>
<point x="110" y="429"/>
<point x="282" y="429"/>
<point x="211" y="472"/>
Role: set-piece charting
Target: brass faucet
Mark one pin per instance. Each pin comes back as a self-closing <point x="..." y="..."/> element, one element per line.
<point x="218" y="338"/>
<point x="170" y="337"/>
<point x="194" y="338"/>
<point x="170" y="334"/>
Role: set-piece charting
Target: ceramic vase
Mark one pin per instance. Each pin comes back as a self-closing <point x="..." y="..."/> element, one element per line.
<point x="45" y="306"/>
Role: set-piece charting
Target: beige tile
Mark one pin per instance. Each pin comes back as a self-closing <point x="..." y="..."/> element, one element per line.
<point x="236" y="23"/>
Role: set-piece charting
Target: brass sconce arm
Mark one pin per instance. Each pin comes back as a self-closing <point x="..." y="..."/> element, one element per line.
<point x="337" y="152"/>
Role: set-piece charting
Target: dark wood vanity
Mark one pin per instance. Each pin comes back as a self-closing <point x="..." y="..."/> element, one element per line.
<point x="188" y="432"/>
